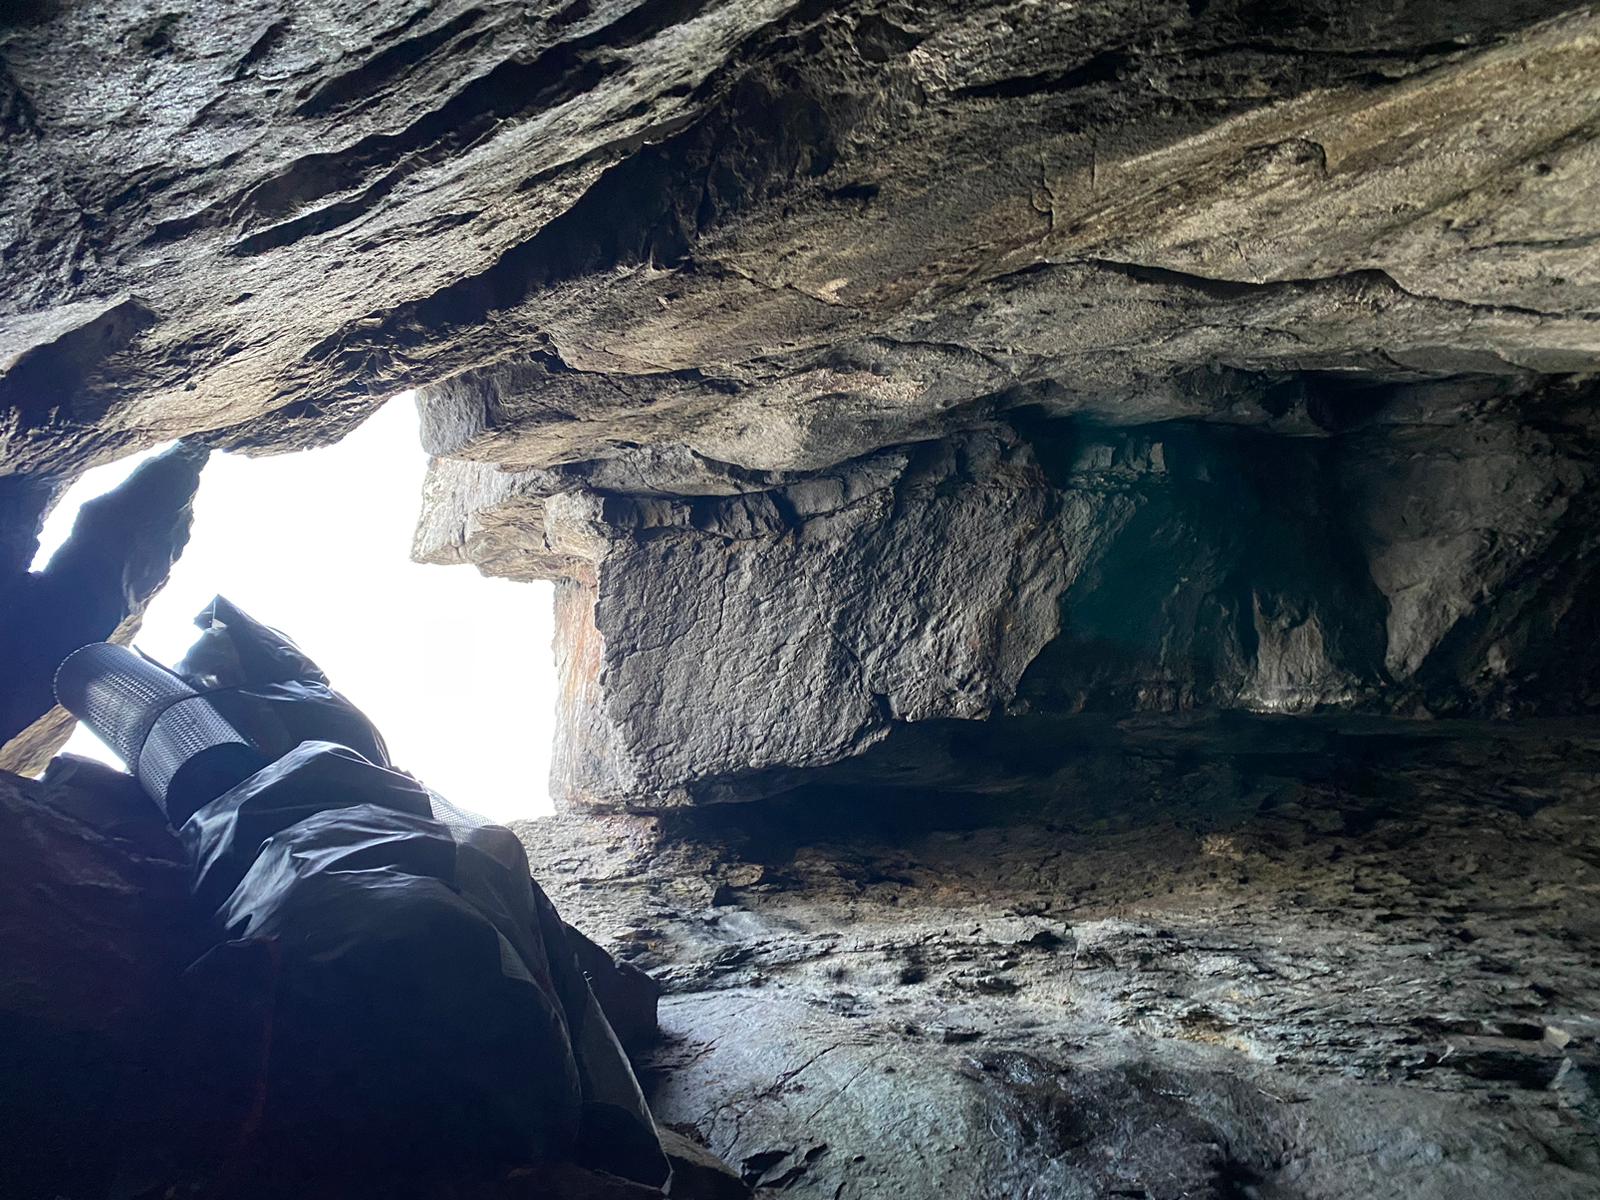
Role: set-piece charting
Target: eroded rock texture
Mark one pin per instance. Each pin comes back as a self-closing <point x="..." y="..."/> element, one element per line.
<point x="950" y="425"/>
<point x="1163" y="569"/>
<point x="1379" y="982"/>
<point x="866" y="363"/>
<point x="1177" y="376"/>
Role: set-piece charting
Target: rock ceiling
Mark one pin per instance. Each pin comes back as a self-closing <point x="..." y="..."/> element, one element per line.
<point x="902" y="362"/>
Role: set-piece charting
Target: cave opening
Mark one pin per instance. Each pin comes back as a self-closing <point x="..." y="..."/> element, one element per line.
<point x="318" y="543"/>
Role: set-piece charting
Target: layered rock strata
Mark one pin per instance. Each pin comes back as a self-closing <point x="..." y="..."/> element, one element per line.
<point x="1115" y="482"/>
<point x="719" y="646"/>
<point x="661" y="270"/>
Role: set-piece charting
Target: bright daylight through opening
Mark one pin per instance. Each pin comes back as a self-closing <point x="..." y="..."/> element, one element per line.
<point x="318" y="544"/>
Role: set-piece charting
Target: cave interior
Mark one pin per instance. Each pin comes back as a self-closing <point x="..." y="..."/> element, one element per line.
<point x="1076" y="541"/>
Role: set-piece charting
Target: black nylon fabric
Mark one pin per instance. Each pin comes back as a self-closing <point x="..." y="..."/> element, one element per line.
<point x="235" y="648"/>
<point x="424" y="1001"/>
<point x="396" y="989"/>
<point x="269" y="689"/>
<point x="406" y="1020"/>
<point x="225" y="837"/>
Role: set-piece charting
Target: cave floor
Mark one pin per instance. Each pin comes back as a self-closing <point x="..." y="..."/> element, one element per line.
<point x="1334" y="996"/>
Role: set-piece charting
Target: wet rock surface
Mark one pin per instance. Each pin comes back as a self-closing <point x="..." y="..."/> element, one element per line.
<point x="1346" y="990"/>
<point x="655" y="221"/>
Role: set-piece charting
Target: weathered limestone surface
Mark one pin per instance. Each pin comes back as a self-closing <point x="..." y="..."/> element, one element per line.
<point x="843" y="618"/>
<point x="731" y="643"/>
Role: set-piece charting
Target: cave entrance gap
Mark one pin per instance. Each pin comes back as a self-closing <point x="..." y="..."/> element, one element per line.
<point x="456" y="669"/>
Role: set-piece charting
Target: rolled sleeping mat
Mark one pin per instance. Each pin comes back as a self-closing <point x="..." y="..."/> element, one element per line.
<point x="181" y="749"/>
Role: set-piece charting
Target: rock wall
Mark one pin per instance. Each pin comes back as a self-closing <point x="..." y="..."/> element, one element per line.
<point x="1056" y="568"/>
<point x="1116" y="482"/>
<point x="97" y="928"/>
<point x="869" y="364"/>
